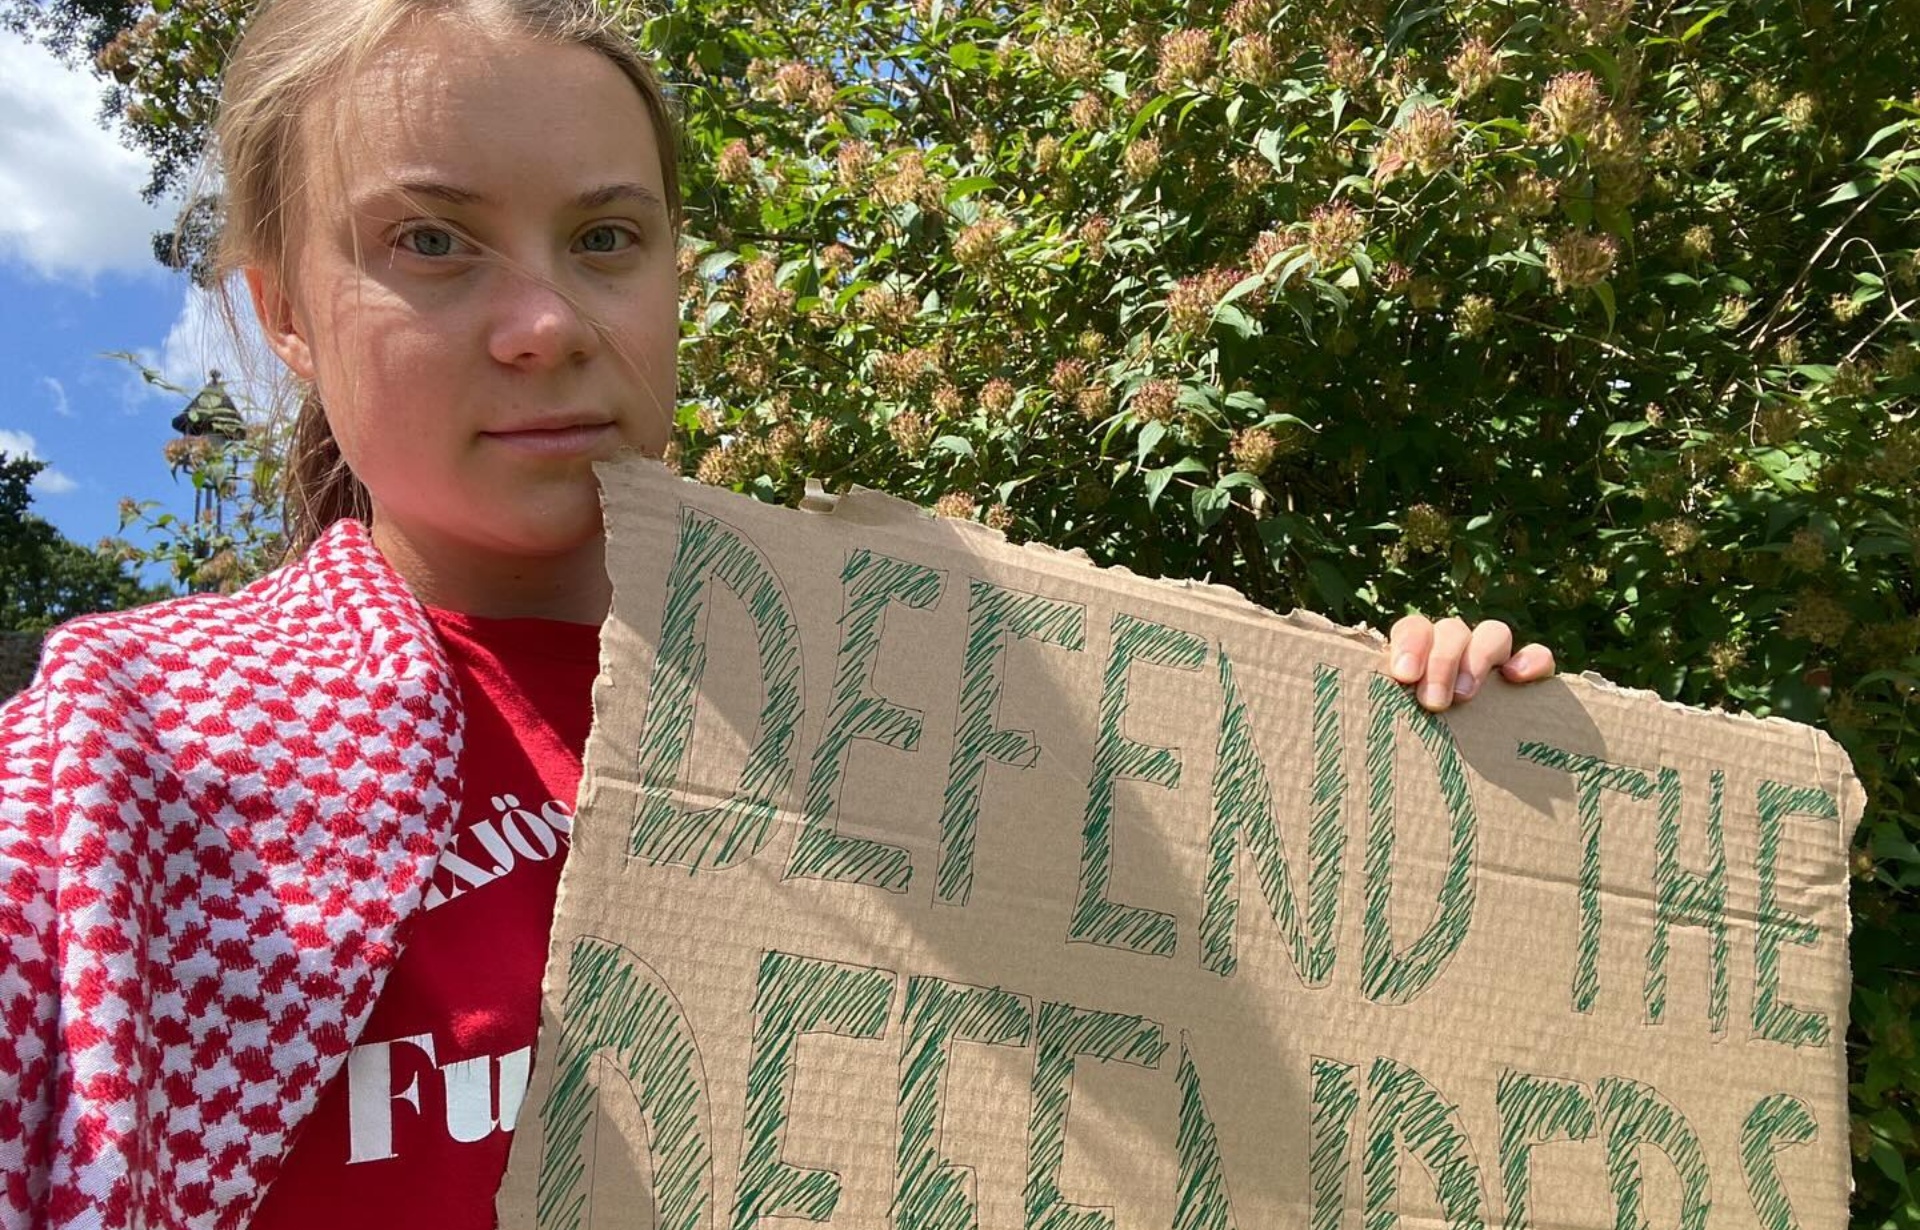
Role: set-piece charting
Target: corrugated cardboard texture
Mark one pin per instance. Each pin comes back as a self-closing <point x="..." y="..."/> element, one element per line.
<point x="923" y="881"/>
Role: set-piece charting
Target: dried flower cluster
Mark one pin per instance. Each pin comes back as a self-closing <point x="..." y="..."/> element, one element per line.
<point x="1191" y="302"/>
<point x="1579" y="260"/>
<point x="765" y="303"/>
<point x="1572" y="105"/>
<point x="751" y="371"/>
<point x="735" y="164"/>
<point x="1425" y="141"/>
<point x="852" y="163"/>
<point x="1676" y="535"/>
<point x="1474" y="316"/>
<point x="1071" y="57"/>
<point x="1069" y="377"/>
<point x="1424" y="529"/>
<point x="1817" y="617"/>
<point x="1800" y="112"/>
<point x="1600" y="21"/>
<point x="997" y="397"/>
<point x="948" y="402"/>
<point x="796" y="84"/>
<point x="1094" y="402"/>
<point x="1089" y="111"/>
<point x="1251" y="58"/>
<point x="978" y="246"/>
<point x="836" y="259"/>
<point x="1806" y="551"/>
<point x="885" y="308"/>
<point x="1346" y="65"/>
<point x="729" y="465"/>
<point x="957" y="505"/>
<point x="905" y="180"/>
<point x="1249" y="16"/>
<point x="1474" y="68"/>
<point x="1093" y="236"/>
<point x="1333" y="231"/>
<point x="1250" y="173"/>
<point x="1141" y="159"/>
<point x="899" y="373"/>
<point x="1696" y="244"/>
<point x="1156" y="401"/>
<point x="1253" y="450"/>
<point x="1186" y="59"/>
<point x="911" y="433"/>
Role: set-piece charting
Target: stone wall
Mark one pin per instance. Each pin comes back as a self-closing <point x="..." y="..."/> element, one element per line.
<point x="19" y="654"/>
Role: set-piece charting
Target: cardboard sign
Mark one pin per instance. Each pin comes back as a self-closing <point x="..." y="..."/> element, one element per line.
<point x="926" y="882"/>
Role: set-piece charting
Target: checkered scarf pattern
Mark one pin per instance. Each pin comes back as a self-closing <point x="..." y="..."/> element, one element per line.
<point x="215" y="816"/>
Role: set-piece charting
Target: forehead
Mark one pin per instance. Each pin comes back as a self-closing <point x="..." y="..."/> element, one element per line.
<point x="485" y="113"/>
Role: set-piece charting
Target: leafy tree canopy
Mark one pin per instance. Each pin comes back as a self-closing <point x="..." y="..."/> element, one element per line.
<point x="44" y="578"/>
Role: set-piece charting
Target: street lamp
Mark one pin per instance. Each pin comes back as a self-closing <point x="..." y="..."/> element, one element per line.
<point x="211" y="413"/>
<point x="211" y="416"/>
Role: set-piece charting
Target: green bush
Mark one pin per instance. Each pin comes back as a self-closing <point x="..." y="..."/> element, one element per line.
<point x="1598" y="319"/>
<point x="1595" y="317"/>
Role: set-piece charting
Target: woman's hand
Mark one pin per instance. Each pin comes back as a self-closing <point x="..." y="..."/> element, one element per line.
<point x="1448" y="662"/>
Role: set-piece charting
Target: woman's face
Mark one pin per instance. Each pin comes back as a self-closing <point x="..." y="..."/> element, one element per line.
<point x="483" y="291"/>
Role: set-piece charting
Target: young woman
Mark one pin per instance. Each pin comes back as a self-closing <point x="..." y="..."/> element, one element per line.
<point x="251" y="972"/>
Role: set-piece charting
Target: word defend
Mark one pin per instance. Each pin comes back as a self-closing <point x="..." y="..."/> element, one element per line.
<point x="925" y="882"/>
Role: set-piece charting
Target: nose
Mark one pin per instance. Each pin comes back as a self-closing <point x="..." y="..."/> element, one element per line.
<point x="537" y="323"/>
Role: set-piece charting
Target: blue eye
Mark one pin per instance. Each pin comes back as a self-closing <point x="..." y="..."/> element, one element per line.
<point x="606" y="239"/>
<point x="428" y="241"/>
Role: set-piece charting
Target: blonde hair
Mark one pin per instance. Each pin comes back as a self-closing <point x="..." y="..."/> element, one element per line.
<point x="292" y="53"/>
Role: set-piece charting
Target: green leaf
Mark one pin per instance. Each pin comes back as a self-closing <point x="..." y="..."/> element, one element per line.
<point x="1209" y="505"/>
<point x="1699" y="27"/>
<point x="1239" y="479"/>
<point x="1847" y="192"/>
<point x="1150" y="436"/>
<point x="1235" y="320"/>
<point x="1888" y="1159"/>
<point x="1604" y="293"/>
<point x="961" y="189"/>
<point x="1145" y="115"/>
<point x="1157" y="480"/>
<point x="1331" y="586"/>
<point x="1267" y="145"/>
<point x="1883" y="134"/>
<point x="959" y="446"/>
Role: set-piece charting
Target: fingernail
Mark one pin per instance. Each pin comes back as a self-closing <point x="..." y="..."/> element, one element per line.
<point x="1465" y="684"/>
<point x="1434" y="696"/>
<point x="1405" y="666"/>
<point x="1518" y="664"/>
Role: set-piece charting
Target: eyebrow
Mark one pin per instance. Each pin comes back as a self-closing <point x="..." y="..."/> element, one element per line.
<point x="593" y="198"/>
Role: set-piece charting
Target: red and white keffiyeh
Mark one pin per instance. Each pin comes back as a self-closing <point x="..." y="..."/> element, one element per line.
<point x="215" y="814"/>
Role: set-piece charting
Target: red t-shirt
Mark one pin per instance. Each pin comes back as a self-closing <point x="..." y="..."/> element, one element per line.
<point x="415" y="1130"/>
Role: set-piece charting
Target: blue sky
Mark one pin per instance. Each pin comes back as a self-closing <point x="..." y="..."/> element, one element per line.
<point x="77" y="279"/>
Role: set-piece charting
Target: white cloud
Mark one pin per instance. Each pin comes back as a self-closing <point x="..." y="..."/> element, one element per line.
<point x="201" y="341"/>
<point x="70" y="202"/>
<point x="61" y="406"/>
<point x="49" y="481"/>
<point x="53" y="482"/>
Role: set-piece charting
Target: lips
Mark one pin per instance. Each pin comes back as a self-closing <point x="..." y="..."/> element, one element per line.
<point x="551" y="424"/>
<point x="556" y="438"/>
